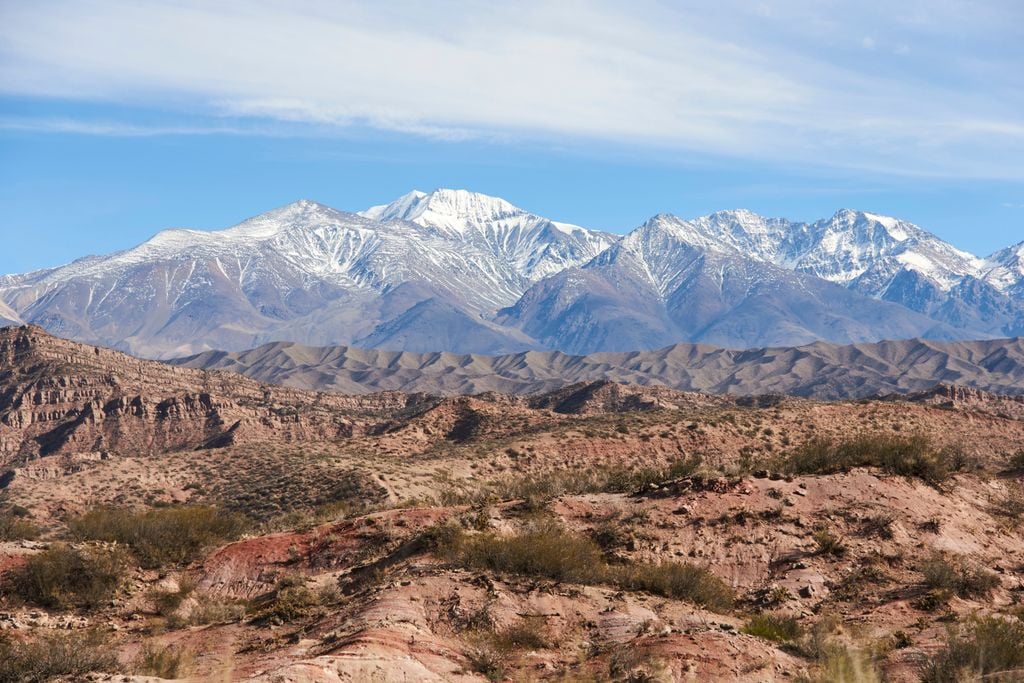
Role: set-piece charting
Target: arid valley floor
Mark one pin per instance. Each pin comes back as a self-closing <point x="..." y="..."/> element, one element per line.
<point x="164" y="521"/>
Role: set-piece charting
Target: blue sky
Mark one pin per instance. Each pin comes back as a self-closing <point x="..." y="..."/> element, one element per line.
<point x="120" y="119"/>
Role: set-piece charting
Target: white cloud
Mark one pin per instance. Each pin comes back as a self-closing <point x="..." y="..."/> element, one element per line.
<point x="868" y="43"/>
<point x="118" y="128"/>
<point x="741" y="79"/>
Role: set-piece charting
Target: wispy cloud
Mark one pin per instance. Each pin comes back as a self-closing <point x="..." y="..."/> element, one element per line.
<point x="917" y="87"/>
<point x="118" y="129"/>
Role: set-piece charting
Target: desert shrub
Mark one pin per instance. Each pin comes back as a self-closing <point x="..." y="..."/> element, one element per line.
<point x="901" y="640"/>
<point x="166" y="661"/>
<point x="549" y="551"/>
<point x="958" y="578"/>
<point x="544" y="550"/>
<point x="777" y="627"/>
<point x="538" y="488"/>
<point x="828" y="543"/>
<point x="293" y="600"/>
<point x="58" y="654"/>
<point x="62" y="577"/>
<point x="216" y="612"/>
<point x="1017" y="460"/>
<point x="840" y="664"/>
<point x="989" y="647"/>
<point x="492" y="648"/>
<point x="911" y="456"/>
<point x="677" y="580"/>
<point x="487" y="660"/>
<point x="635" y="665"/>
<point x="853" y="584"/>
<point x="15" y="527"/>
<point x="167" y="602"/>
<point x="163" y="536"/>
<point x="525" y="634"/>
<point x="932" y="600"/>
<point x="612" y="534"/>
<point x="1010" y="504"/>
<point x="879" y="525"/>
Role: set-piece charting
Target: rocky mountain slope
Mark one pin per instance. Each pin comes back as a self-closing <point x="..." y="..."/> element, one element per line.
<point x="663" y="283"/>
<point x="62" y="397"/>
<point x="458" y="271"/>
<point x="818" y="370"/>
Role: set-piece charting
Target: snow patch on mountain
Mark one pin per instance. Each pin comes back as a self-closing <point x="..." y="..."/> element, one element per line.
<point x="534" y="246"/>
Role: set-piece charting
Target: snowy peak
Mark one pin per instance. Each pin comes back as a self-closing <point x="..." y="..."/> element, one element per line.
<point x="1004" y="269"/>
<point x="402" y="208"/>
<point x="303" y="213"/>
<point x="533" y="246"/>
<point x="454" y="211"/>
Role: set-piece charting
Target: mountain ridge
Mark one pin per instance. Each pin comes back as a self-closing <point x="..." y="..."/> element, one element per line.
<point x="501" y="279"/>
<point x="818" y="370"/>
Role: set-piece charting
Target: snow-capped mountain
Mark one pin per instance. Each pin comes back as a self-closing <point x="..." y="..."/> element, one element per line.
<point x="452" y="270"/>
<point x="670" y="280"/>
<point x="1004" y="270"/>
<point x="533" y="246"/>
<point x="304" y="271"/>
<point x="879" y="256"/>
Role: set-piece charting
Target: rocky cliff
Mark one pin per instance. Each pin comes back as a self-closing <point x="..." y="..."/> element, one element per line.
<point x="58" y="396"/>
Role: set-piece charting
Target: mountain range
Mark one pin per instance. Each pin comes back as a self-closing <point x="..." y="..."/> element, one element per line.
<point x="819" y="370"/>
<point x="462" y="272"/>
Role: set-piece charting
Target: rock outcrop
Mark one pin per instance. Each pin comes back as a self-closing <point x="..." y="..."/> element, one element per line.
<point x="58" y="396"/>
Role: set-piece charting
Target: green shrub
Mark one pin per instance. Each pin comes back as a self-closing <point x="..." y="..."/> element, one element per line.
<point x="539" y="488"/>
<point x="677" y="580"/>
<point x="163" y="536"/>
<point x="545" y="550"/>
<point x="777" y="627"/>
<point x="487" y="660"/>
<point x="59" y="654"/>
<point x="911" y="456"/>
<point x="958" y="578"/>
<point x="828" y="543"/>
<point x="213" y="611"/>
<point x="293" y="600"/>
<point x="62" y="577"/>
<point x="166" y="661"/>
<point x="990" y="647"/>
<point x="549" y="551"/>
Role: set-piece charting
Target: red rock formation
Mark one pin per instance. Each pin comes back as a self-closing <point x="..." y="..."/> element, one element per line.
<point x="58" y="396"/>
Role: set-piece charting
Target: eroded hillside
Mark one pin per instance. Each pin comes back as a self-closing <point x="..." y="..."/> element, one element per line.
<point x="599" y="532"/>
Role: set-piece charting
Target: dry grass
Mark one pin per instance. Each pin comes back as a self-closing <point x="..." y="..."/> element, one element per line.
<point x="62" y="577"/>
<point x="60" y="654"/>
<point x="162" y="536"/>
<point x="17" y="527"/>
<point x="911" y="456"/>
<point x="958" y="578"/>
<point x="777" y="627"/>
<point x="991" y="648"/>
<point x="166" y="661"/>
<point x="293" y="600"/>
<point x="547" y="550"/>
